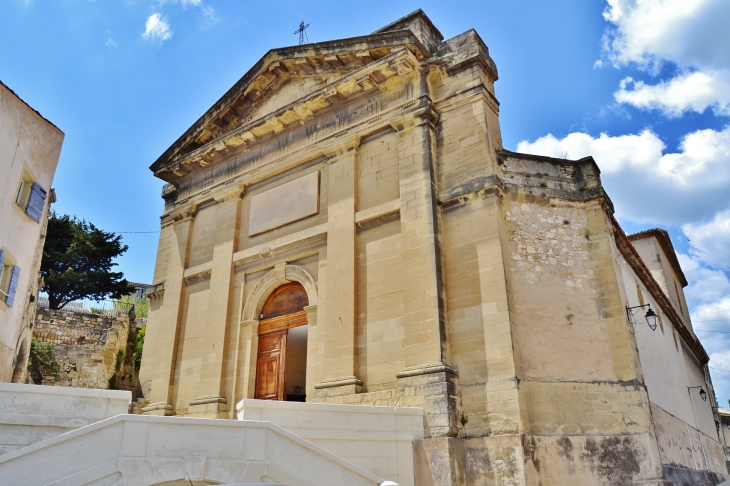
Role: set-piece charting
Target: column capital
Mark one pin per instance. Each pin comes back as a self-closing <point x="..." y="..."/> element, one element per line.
<point x="423" y="112"/>
<point x="250" y="325"/>
<point x="229" y="194"/>
<point x="181" y="215"/>
<point x="311" y="311"/>
<point x="345" y="144"/>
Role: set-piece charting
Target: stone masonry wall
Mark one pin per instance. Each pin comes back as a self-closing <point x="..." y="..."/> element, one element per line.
<point x="69" y="328"/>
<point x="87" y="346"/>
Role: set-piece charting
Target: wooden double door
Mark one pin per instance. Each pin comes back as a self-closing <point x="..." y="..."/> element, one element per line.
<point x="283" y="310"/>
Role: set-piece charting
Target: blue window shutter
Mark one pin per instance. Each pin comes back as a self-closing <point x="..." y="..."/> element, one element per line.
<point x="36" y="203"/>
<point x="2" y="258"/>
<point x="14" y="277"/>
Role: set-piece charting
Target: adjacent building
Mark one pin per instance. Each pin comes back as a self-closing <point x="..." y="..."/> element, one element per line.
<point x="30" y="147"/>
<point x="344" y="227"/>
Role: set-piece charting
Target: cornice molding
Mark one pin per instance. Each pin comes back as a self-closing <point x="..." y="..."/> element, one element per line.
<point x="368" y="78"/>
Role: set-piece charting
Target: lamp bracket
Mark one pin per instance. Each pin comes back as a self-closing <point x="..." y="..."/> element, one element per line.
<point x="631" y="314"/>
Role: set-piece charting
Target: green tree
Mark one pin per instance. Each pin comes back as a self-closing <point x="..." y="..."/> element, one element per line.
<point x="141" y="305"/>
<point x="77" y="262"/>
<point x="42" y="359"/>
<point x="138" y="346"/>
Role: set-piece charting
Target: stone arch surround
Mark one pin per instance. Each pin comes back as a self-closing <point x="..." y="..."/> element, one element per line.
<point x="279" y="275"/>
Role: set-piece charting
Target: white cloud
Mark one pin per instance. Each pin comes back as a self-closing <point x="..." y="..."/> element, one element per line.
<point x="184" y="3"/>
<point x="157" y="28"/>
<point x="209" y="12"/>
<point x="706" y="287"/>
<point x="643" y="149"/>
<point x="646" y="184"/>
<point x="710" y="241"/>
<point x="692" y="34"/>
<point x="708" y="295"/>
<point x="688" y="91"/>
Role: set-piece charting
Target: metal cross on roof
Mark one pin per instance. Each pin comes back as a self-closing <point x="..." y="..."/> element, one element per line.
<point x="300" y="31"/>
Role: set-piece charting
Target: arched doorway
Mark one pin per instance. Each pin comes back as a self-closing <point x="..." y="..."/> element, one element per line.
<point x="282" y="350"/>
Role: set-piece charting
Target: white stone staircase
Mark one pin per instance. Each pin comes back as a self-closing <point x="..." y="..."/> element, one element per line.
<point x="148" y="450"/>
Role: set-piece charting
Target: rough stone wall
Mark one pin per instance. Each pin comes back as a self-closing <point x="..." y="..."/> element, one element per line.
<point x="537" y="460"/>
<point x="683" y="446"/>
<point x="86" y="346"/>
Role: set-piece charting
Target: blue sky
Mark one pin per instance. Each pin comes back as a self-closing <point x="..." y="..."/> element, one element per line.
<point x="642" y="86"/>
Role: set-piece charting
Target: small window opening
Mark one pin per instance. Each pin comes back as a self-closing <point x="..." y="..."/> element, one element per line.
<point x="9" y="275"/>
<point x="639" y="294"/>
<point x="24" y="188"/>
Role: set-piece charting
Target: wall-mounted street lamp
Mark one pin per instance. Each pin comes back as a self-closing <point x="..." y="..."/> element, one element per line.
<point x="703" y="393"/>
<point x="651" y="317"/>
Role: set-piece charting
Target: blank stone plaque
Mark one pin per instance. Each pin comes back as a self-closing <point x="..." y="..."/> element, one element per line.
<point x="284" y="204"/>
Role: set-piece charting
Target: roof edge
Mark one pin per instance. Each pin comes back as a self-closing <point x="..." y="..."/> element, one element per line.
<point x="666" y="243"/>
<point x="416" y="13"/>
<point x="28" y="105"/>
<point x="553" y="160"/>
<point x="631" y="254"/>
<point x="240" y="85"/>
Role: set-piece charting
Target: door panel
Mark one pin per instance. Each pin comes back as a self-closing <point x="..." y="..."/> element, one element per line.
<point x="271" y="366"/>
<point x="267" y="373"/>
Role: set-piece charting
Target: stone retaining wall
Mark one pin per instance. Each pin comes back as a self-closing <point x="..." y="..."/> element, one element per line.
<point x="70" y="328"/>
<point x="87" y="347"/>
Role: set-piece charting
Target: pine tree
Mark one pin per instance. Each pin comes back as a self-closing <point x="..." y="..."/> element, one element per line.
<point x="77" y="262"/>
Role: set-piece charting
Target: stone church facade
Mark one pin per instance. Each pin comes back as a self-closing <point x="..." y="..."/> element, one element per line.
<point x="344" y="227"/>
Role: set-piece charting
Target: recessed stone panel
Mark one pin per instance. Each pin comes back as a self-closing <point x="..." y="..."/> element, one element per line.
<point x="284" y="204"/>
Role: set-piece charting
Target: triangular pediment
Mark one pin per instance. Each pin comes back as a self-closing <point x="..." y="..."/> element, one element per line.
<point x="253" y="106"/>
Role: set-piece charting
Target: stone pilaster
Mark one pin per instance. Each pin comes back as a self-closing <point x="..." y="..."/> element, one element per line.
<point x="341" y="297"/>
<point x="249" y="355"/>
<point x="211" y="402"/>
<point x="164" y="319"/>
<point x="311" y="311"/>
<point x="423" y="291"/>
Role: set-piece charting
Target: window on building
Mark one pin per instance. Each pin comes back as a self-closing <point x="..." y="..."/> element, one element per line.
<point x="679" y="299"/>
<point x="9" y="276"/>
<point x="31" y="197"/>
<point x="23" y="194"/>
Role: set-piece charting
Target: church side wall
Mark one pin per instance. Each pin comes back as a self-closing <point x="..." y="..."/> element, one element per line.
<point x="571" y="361"/>
<point x="684" y="423"/>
